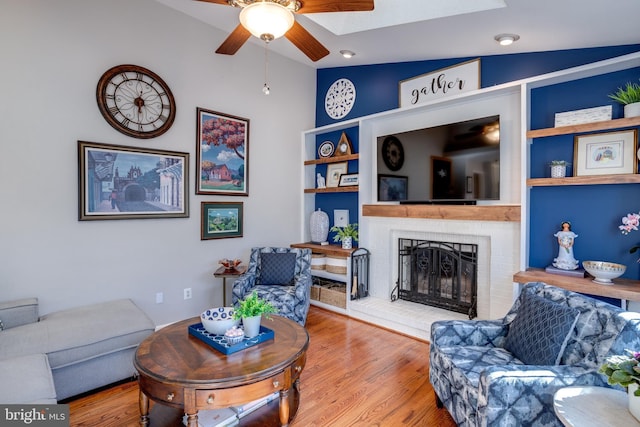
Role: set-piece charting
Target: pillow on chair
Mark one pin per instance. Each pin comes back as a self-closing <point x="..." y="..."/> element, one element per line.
<point x="540" y="331"/>
<point x="277" y="268"/>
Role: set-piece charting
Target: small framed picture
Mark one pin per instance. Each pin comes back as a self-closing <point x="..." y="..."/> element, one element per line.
<point x="605" y="153"/>
<point x="334" y="171"/>
<point x="392" y="188"/>
<point x="221" y="220"/>
<point x="348" y="179"/>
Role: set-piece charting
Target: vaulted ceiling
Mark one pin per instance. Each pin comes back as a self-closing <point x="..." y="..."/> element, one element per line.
<point x="409" y="30"/>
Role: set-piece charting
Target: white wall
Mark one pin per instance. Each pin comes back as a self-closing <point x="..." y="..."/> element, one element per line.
<point x="52" y="55"/>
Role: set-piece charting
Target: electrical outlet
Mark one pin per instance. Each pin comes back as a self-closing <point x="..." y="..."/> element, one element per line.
<point x="159" y="298"/>
<point x="187" y="293"/>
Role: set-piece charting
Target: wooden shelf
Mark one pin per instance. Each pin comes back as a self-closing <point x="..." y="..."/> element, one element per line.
<point x="333" y="250"/>
<point x="625" y="289"/>
<point x="628" y="178"/>
<point x="348" y="189"/>
<point x="325" y="160"/>
<point x="460" y="212"/>
<point x="585" y="127"/>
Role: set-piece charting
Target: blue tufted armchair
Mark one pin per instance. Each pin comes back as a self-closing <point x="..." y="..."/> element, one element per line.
<point x="505" y="372"/>
<point x="280" y="275"/>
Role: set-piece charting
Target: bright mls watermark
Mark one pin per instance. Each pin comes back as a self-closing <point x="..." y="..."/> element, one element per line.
<point x="34" y="415"/>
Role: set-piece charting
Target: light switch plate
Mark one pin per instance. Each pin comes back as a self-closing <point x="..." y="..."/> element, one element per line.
<point x="341" y="217"/>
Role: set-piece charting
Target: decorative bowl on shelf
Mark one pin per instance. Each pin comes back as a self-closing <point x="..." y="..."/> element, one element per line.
<point x="230" y="264"/>
<point x="218" y="320"/>
<point x="604" y="271"/>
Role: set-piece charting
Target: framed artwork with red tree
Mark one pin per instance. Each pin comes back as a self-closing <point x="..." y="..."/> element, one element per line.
<point x="222" y="154"/>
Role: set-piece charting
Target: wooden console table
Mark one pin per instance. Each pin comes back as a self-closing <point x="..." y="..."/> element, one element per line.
<point x="624" y="289"/>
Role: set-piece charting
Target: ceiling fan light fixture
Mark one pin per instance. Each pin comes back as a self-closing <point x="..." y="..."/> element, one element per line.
<point x="266" y="20"/>
<point x="506" y="39"/>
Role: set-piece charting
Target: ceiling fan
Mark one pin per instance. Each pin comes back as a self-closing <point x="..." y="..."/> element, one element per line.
<point x="283" y="10"/>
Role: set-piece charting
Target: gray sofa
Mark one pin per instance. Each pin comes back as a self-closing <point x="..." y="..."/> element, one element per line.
<point x="494" y="373"/>
<point x="68" y="352"/>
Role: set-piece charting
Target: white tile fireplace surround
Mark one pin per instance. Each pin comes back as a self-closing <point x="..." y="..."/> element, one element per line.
<point x="498" y="254"/>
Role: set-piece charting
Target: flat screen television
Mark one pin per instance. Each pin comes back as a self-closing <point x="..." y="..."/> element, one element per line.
<point x="457" y="163"/>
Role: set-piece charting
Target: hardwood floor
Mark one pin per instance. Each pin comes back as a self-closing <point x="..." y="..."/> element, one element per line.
<point x="356" y="375"/>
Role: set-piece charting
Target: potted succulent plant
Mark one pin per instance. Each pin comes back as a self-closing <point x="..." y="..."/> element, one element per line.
<point x="629" y="96"/>
<point x="250" y="310"/>
<point x="625" y="371"/>
<point x="346" y="235"/>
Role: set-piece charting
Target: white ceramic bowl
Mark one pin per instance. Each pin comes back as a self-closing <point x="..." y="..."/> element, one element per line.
<point x="218" y="320"/>
<point x="604" y="271"/>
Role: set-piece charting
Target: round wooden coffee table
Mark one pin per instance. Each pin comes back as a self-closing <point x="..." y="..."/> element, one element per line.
<point x="180" y="371"/>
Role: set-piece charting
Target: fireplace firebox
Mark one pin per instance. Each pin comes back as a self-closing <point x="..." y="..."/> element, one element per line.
<point x="438" y="274"/>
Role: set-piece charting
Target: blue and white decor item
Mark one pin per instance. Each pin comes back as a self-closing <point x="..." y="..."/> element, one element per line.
<point x="319" y="224"/>
<point x="481" y="381"/>
<point x="218" y="320"/>
<point x="282" y="276"/>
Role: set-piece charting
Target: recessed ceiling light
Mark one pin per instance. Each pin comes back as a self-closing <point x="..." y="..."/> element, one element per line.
<point x="347" y="53"/>
<point x="506" y="39"/>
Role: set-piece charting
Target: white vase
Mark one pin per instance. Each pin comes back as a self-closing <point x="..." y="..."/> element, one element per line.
<point x="319" y="225"/>
<point x="251" y="326"/>
<point x="634" y="401"/>
<point x="347" y="242"/>
<point x="632" y="110"/>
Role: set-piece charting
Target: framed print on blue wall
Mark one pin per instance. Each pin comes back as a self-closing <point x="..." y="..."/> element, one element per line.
<point x="222" y="154"/>
<point x="605" y="153"/>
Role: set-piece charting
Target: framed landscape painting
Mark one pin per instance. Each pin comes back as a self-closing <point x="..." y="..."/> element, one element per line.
<point x="221" y="220"/>
<point x="222" y="154"/>
<point x="118" y="182"/>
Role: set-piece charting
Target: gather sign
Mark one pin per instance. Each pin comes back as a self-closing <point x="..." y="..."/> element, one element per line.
<point x="441" y="83"/>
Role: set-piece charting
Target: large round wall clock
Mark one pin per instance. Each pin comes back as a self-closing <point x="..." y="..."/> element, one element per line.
<point x="136" y="101"/>
<point x="392" y="153"/>
<point x="340" y="98"/>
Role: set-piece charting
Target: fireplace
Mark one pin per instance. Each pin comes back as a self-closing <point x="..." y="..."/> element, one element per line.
<point x="439" y="274"/>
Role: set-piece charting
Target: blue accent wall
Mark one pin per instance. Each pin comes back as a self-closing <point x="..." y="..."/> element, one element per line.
<point x="594" y="211"/>
<point x="377" y="85"/>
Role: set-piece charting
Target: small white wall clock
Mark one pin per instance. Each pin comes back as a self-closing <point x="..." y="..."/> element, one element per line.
<point x="340" y="98"/>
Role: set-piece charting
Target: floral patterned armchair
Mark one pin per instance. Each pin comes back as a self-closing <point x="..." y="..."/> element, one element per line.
<point x="280" y="275"/>
<point x="481" y="382"/>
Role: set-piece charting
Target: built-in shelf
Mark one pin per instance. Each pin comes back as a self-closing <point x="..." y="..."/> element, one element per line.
<point x="585" y="127"/>
<point x="628" y="178"/>
<point x="459" y="212"/>
<point x="331" y="159"/>
<point x="347" y="189"/>
<point x="332" y="250"/>
<point x="625" y="289"/>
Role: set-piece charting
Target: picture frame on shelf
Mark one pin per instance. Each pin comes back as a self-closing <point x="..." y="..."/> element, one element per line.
<point x="392" y="188"/>
<point x="348" y="179"/>
<point x="334" y="171"/>
<point x="120" y="182"/>
<point x="221" y="220"/>
<point x="222" y="154"/>
<point x="440" y="177"/>
<point x="607" y="153"/>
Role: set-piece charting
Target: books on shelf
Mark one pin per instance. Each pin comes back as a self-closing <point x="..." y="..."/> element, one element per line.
<point x="227" y="417"/>
<point x="579" y="272"/>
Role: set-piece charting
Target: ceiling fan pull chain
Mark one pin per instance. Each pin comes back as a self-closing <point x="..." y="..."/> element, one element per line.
<point x="265" y="88"/>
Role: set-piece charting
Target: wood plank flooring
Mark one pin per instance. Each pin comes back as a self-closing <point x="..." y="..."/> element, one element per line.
<point x="356" y="375"/>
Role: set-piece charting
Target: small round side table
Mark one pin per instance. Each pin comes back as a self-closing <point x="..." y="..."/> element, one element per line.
<point x="592" y="406"/>
<point x="225" y="274"/>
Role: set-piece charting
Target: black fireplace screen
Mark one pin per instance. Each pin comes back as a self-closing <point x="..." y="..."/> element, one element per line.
<point x="439" y="274"/>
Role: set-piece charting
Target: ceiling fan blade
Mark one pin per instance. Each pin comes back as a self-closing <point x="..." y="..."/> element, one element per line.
<point x="304" y="41"/>
<point x="216" y="1"/>
<point x="321" y="6"/>
<point x="235" y="41"/>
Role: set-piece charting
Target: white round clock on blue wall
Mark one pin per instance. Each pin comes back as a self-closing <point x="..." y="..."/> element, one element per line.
<point x="340" y="98"/>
